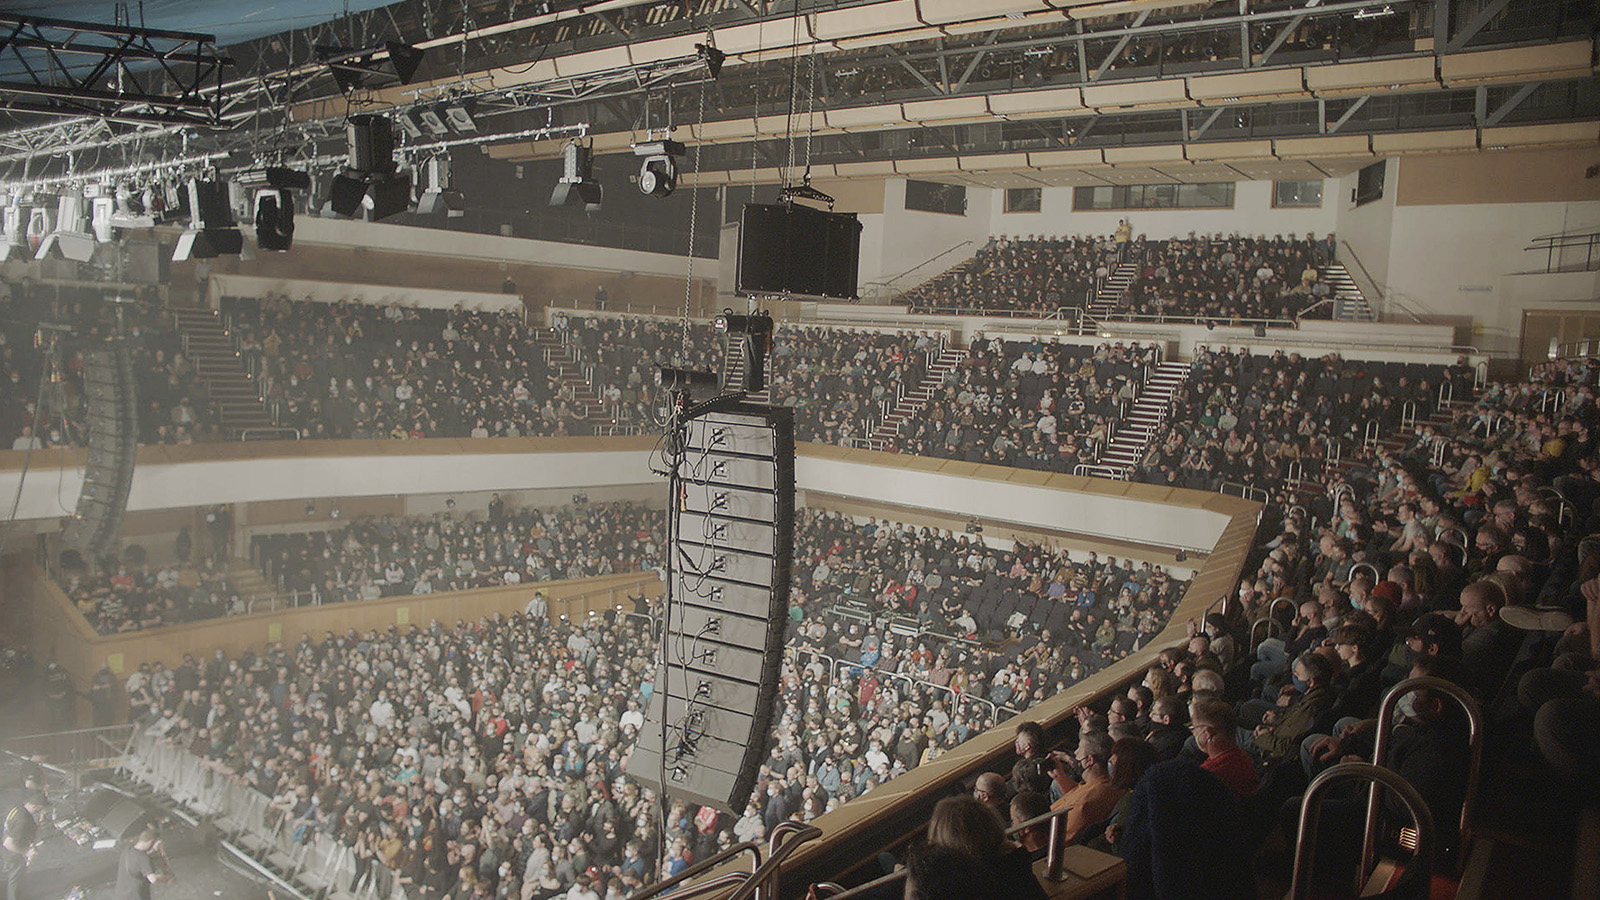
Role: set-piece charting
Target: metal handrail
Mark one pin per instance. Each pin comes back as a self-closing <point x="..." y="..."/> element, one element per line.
<point x="1380" y="744"/>
<point x="763" y="882"/>
<point x="1055" y="858"/>
<point x="705" y="865"/>
<point x="1310" y="814"/>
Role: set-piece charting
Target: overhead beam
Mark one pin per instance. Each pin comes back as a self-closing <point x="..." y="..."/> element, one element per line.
<point x="1349" y="113"/>
<point x="1122" y="44"/>
<point x="1475" y="24"/>
<point x="1511" y="103"/>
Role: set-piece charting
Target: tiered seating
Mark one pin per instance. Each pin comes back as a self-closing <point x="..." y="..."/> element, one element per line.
<point x="1029" y="404"/>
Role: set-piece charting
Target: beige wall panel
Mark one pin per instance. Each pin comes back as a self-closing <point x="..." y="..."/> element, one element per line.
<point x="1511" y="176"/>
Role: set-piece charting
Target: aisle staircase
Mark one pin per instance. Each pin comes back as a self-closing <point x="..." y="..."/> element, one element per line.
<point x="212" y="350"/>
<point x="912" y="402"/>
<point x="1349" y="304"/>
<point x="258" y="594"/>
<point x="1145" y="419"/>
<point x="563" y="359"/>
<point x="1106" y="299"/>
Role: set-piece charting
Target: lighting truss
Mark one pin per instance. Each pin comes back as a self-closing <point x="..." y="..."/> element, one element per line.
<point x="142" y="75"/>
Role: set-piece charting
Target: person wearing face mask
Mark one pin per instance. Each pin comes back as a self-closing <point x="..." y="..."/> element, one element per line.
<point x="1084" y="778"/>
<point x="1281" y="729"/>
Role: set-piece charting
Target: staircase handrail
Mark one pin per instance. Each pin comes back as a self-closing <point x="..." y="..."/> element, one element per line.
<point x="1389" y="296"/>
<point x="889" y="282"/>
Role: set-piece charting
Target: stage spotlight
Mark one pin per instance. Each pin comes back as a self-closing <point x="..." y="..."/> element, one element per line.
<point x="13" y="231"/>
<point x="274" y="219"/>
<point x="438" y="195"/>
<point x="658" y="174"/>
<point x="41" y="220"/>
<point x="577" y="178"/>
<point x="459" y="114"/>
<point x="410" y="123"/>
<point x="369" y="181"/>
<point x="70" y="239"/>
<point x="432" y="122"/>
<point x="757" y="331"/>
<point x="212" y="231"/>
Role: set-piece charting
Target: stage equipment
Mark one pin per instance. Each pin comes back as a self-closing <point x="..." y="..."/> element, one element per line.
<point x="786" y="248"/>
<point x="370" y="181"/>
<point x="748" y="338"/>
<point x="729" y="549"/>
<point x="439" y="196"/>
<point x="70" y="239"/>
<point x="108" y="384"/>
<point x="577" y="178"/>
<point x="658" y="174"/>
<point x="372" y="68"/>
<point x="212" y="231"/>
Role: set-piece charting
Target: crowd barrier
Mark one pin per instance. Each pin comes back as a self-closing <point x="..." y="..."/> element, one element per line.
<point x="313" y="863"/>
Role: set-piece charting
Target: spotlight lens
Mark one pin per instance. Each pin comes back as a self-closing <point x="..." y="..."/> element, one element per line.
<point x="720" y="323"/>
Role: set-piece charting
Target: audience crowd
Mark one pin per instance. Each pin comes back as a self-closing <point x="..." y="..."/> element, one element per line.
<point x="490" y="757"/>
<point x="384" y="556"/>
<point x="1029" y="404"/>
<point x="349" y="370"/>
<point x="1470" y="554"/>
<point x="1257" y="420"/>
<point x="1033" y="274"/>
<point x="1214" y="277"/>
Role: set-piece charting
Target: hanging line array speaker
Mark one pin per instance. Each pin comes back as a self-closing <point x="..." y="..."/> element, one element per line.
<point x="113" y="445"/>
<point x="732" y="538"/>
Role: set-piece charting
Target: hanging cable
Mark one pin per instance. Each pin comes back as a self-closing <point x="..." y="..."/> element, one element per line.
<point x="694" y="212"/>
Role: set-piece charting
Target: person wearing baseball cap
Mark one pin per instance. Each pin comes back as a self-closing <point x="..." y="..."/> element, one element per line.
<point x="1433" y="635"/>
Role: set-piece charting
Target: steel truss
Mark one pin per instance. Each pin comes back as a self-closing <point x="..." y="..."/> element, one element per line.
<point x="59" y="68"/>
<point x="276" y="112"/>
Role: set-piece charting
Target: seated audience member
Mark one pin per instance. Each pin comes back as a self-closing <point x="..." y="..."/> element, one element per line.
<point x="1281" y="728"/>
<point x="1130" y="759"/>
<point x="1488" y="644"/>
<point x="940" y="873"/>
<point x="1034" y="838"/>
<point x="1085" y="782"/>
<point x="1215" y="729"/>
<point x="1168" y="727"/>
<point x="1181" y="841"/>
<point x="990" y="790"/>
<point x="970" y="827"/>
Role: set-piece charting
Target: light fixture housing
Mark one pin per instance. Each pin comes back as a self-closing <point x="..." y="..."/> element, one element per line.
<point x="577" y="178"/>
<point x="658" y="173"/>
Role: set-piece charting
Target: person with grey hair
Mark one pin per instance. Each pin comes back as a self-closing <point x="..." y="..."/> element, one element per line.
<point x="1085" y="781"/>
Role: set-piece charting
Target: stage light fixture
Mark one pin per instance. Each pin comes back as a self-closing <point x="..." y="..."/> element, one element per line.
<point x="131" y="209"/>
<point x="410" y="123"/>
<point x="459" y="114"/>
<point x="577" y="178"/>
<point x="70" y="239"/>
<point x="41" y="220"/>
<point x="212" y="231"/>
<point x="369" y="182"/>
<point x="13" y="227"/>
<point x="438" y="195"/>
<point x="658" y="173"/>
<point x="754" y="333"/>
<point x="274" y="218"/>
<point x="432" y="122"/>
